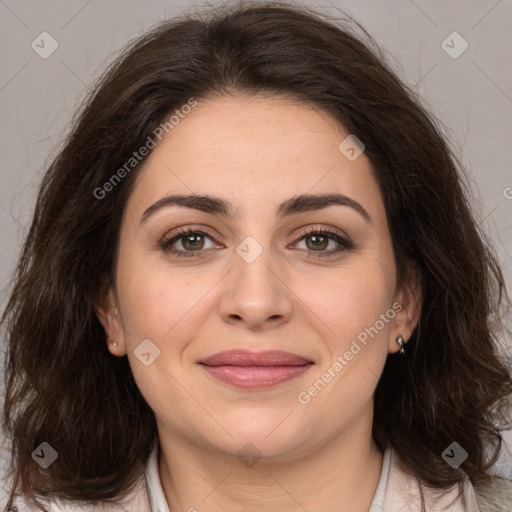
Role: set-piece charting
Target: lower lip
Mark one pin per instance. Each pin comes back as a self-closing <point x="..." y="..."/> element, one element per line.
<point x="256" y="376"/>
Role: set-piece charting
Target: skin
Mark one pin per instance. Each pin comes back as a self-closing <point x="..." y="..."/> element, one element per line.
<point x="256" y="152"/>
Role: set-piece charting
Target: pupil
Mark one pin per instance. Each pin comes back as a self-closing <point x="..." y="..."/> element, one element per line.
<point x="190" y="240"/>
<point x="318" y="241"/>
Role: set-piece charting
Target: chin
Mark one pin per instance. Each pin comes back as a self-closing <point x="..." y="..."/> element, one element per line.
<point x="269" y="435"/>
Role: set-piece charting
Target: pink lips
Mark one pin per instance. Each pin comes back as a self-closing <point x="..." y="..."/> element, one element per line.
<point x="246" y="369"/>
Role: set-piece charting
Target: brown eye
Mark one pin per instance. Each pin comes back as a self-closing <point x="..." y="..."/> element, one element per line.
<point x="192" y="241"/>
<point x="187" y="242"/>
<point x="317" y="241"/>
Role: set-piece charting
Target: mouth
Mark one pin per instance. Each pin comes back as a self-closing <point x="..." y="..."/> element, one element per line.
<point x="245" y="369"/>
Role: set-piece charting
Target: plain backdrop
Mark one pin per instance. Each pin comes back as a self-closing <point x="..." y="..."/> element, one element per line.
<point x="456" y="54"/>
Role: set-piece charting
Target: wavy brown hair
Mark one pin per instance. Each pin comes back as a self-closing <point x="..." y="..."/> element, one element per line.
<point x="62" y="384"/>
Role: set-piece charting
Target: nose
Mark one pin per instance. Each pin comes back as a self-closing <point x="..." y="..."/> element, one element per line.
<point x="255" y="293"/>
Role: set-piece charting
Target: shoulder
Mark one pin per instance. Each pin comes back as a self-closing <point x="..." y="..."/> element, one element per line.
<point x="403" y="494"/>
<point x="136" y="501"/>
<point x="496" y="497"/>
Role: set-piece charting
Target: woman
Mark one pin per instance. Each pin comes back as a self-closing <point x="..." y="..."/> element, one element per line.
<point x="254" y="282"/>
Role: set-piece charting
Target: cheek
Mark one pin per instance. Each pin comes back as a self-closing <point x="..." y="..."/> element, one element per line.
<point x="154" y="297"/>
<point x="364" y="316"/>
<point x="154" y="302"/>
<point x="351" y="300"/>
<point x="356" y="341"/>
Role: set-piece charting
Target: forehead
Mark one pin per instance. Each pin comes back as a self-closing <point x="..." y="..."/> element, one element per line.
<point x="255" y="152"/>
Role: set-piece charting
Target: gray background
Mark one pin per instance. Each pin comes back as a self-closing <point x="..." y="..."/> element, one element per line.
<point x="471" y="95"/>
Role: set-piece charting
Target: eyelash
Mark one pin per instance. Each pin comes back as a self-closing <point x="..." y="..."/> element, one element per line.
<point x="166" y="243"/>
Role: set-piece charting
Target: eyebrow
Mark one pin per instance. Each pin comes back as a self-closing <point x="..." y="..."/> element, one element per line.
<point x="296" y="204"/>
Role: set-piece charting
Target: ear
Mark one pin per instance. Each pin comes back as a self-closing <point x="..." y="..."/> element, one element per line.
<point x="408" y="300"/>
<point x="107" y="310"/>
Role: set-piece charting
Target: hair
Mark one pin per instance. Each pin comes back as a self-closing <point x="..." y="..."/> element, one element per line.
<point x="65" y="388"/>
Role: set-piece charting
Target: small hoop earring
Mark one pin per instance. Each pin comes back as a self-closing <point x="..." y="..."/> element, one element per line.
<point x="401" y="343"/>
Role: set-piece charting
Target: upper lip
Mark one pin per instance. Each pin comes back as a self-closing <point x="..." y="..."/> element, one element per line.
<point x="248" y="358"/>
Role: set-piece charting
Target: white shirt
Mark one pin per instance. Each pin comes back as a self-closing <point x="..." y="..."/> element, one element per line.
<point x="159" y="503"/>
<point x="396" y="491"/>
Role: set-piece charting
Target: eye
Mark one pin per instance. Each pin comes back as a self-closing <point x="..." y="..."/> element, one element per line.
<point x="317" y="240"/>
<point x="191" y="241"/>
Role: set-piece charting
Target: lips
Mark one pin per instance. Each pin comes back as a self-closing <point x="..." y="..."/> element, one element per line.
<point x="247" y="358"/>
<point x="246" y="369"/>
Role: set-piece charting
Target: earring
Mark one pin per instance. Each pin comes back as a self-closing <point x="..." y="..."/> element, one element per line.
<point x="114" y="342"/>
<point x="401" y="342"/>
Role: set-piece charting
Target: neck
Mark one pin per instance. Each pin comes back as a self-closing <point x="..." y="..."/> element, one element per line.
<point x="339" y="476"/>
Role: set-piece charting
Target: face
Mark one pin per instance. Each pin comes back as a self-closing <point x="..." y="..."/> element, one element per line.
<point x="268" y="322"/>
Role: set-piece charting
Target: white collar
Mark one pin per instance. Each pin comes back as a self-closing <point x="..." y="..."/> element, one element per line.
<point x="156" y="494"/>
<point x="159" y="503"/>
